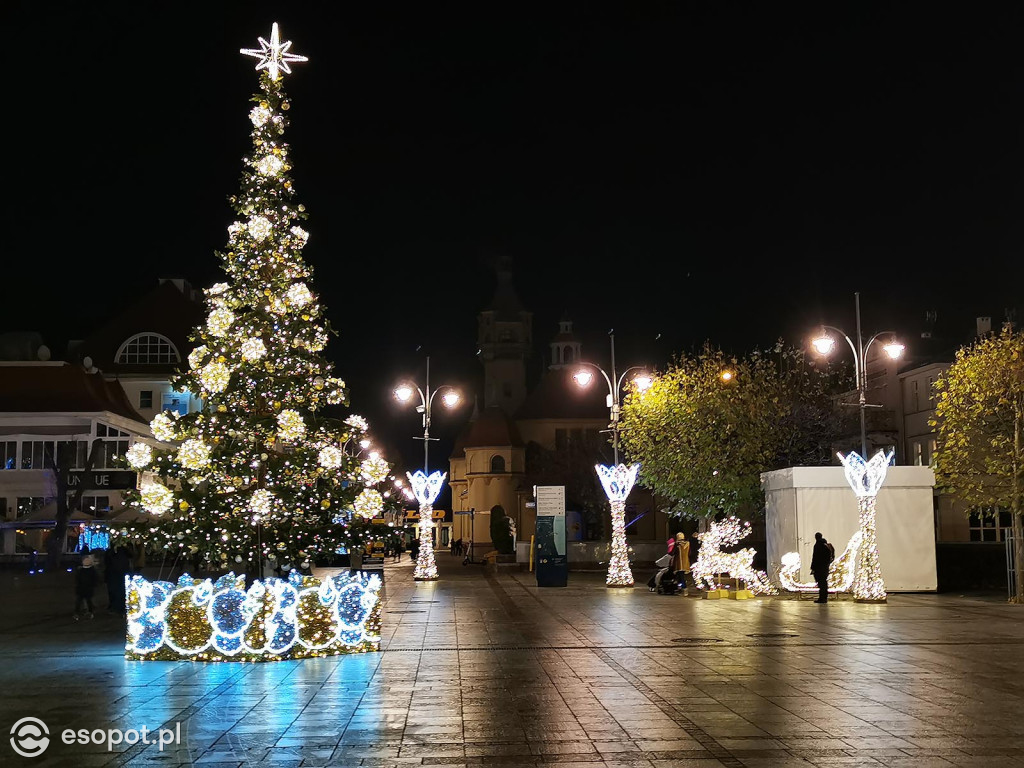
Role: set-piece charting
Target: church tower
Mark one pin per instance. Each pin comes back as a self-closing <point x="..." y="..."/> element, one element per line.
<point x="565" y="347"/>
<point x="504" y="338"/>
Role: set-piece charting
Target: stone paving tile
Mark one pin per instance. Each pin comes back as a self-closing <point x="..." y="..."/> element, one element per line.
<point x="599" y="683"/>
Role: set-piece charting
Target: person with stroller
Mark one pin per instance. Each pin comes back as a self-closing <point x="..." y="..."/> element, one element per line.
<point x="681" y="561"/>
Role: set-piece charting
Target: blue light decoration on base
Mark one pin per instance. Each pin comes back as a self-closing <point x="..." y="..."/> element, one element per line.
<point x="274" y="619"/>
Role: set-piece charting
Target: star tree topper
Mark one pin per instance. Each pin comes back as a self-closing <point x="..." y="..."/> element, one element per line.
<point x="273" y="55"/>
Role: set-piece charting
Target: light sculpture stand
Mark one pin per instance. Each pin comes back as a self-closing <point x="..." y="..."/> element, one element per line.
<point x="426" y="488"/>
<point x="866" y="478"/>
<point x="617" y="482"/>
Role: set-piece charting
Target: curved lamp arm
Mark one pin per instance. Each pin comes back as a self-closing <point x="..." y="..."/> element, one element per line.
<point x="856" y="355"/>
<point x="622" y="378"/>
<point x="874" y="338"/>
<point x="611" y="389"/>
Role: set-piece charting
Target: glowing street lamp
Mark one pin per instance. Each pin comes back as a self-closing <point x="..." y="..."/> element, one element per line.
<point x="824" y="344"/>
<point x="617" y="480"/>
<point x="425" y="485"/>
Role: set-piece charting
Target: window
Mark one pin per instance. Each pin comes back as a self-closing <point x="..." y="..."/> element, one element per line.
<point x="918" y="458"/>
<point x="95" y="505"/>
<point x="931" y="385"/>
<point x="632" y="520"/>
<point x="989" y="524"/>
<point x="915" y="404"/>
<point x="9" y="454"/>
<point x="497" y="464"/>
<point x="147" y="349"/>
<point x="175" y="401"/>
<point x="931" y="452"/>
<point x="28" y="505"/>
<point x="34" y="453"/>
<point x="568" y="354"/>
<point x="146" y="398"/>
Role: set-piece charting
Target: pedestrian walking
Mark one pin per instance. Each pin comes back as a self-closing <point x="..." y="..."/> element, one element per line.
<point x="821" y="558"/>
<point x="85" y="585"/>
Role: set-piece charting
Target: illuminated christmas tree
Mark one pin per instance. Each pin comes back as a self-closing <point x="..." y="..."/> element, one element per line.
<point x="259" y="473"/>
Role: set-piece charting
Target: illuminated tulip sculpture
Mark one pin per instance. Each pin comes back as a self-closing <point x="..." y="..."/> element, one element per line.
<point x="617" y="482"/>
<point x="866" y="478"/>
<point x="427" y="488"/>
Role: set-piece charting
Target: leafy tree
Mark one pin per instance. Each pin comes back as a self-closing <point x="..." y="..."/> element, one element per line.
<point x="711" y="424"/>
<point x="979" y="455"/>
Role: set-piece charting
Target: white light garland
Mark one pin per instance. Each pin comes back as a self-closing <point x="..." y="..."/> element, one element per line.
<point x="164" y="428"/>
<point x="298" y="295"/>
<point x="215" y="377"/>
<point x="269" y="165"/>
<point x="261" y="503"/>
<point x="866" y="478"/>
<point x="617" y="482"/>
<point x="220" y="320"/>
<point x="330" y="457"/>
<point x="358" y="423"/>
<point x="194" y="454"/>
<point x="139" y="455"/>
<point x="197" y="356"/>
<point x="374" y="470"/>
<point x="260" y="116"/>
<point x="290" y="425"/>
<point x="301" y="236"/>
<point x="253" y="349"/>
<point x="368" y="504"/>
<point x="156" y="498"/>
<point x="260" y="228"/>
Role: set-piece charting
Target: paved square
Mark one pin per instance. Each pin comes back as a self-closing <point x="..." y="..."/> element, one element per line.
<point x="492" y="670"/>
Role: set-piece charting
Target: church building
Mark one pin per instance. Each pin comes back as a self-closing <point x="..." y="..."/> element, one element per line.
<point x="544" y="432"/>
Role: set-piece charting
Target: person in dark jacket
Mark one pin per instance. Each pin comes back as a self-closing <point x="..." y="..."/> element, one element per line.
<point x="821" y="559"/>
<point x="85" y="585"/>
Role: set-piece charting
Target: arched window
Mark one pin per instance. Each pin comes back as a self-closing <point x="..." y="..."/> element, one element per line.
<point x="147" y="349"/>
<point x="568" y="354"/>
<point x="497" y="464"/>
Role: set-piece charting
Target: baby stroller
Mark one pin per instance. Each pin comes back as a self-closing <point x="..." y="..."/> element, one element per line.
<point x="664" y="582"/>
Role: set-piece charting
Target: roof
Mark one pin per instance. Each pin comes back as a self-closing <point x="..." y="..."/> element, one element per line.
<point x="61" y="388"/>
<point x="168" y="310"/>
<point x="505" y="304"/>
<point x="44" y="516"/>
<point x="557" y="396"/>
<point x="491" y="428"/>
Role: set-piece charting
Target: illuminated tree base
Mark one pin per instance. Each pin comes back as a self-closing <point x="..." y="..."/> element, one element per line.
<point x="619" y="573"/>
<point x="272" y="620"/>
<point x="426" y="566"/>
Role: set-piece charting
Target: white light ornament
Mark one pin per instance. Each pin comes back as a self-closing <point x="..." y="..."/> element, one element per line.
<point x="617" y="482"/>
<point x="866" y="478"/>
<point x="139" y="456"/>
<point x="840" y="572"/>
<point x="273" y="56"/>
<point x="426" y="488"/>
<point x="712" y="561"/>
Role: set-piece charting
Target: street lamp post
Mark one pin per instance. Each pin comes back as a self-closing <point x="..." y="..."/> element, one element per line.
<point x="618" y="479"/>
<point x="426" y="486"/>
<point x="824" y="344"/>
<point x="865" y="477"/>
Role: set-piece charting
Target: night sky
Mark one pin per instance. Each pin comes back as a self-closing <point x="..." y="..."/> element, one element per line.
<point x="707" y="171"/>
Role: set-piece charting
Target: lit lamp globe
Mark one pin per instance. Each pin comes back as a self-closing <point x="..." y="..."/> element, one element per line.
<point x="823" y="344"/>
<point x="450" y="399"/>
<point x="403" y="392"/>
<point x="894" y="349"/>
<point x="583" y="377"/>
<point x="643" y="381"/>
